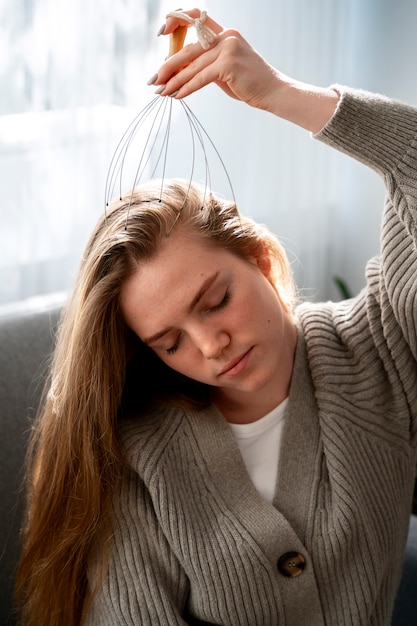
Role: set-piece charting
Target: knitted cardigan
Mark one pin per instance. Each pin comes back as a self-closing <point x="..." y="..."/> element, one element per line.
<point x="194" y="543"/>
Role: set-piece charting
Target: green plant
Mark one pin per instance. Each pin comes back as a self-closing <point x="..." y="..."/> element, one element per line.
<point x="343" y="287"/>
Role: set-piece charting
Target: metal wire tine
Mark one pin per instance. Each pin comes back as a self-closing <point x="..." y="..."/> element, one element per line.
<point x="201" y="127"/>
<point x="145" y="151"/>
<point x="193" y="122"/>
<point x="139" y="173"/>
<point x="155" y="167"/>
<point x="191" y="127"/>
<point x="166" y="142"/>
<point x="132" y="137"/>
<point x="153" y="145"/>
<point x="140" y="169"/>
<point x="190" y="178"/>
<point x="121" y="151"/>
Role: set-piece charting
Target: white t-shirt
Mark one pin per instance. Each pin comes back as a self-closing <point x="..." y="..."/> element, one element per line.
<point x="259" y="444"/>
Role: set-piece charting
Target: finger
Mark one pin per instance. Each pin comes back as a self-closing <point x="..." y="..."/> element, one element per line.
<point x="191" y="53"/>
<point x="173" y="22"/>
<point x="193" y="57"/>
<point x="191" y="82"/>
<point x="197" y="82"/>
<point x="189" y="69"/>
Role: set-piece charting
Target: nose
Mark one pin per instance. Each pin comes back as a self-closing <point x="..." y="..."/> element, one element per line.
<point x="211" y="342"/>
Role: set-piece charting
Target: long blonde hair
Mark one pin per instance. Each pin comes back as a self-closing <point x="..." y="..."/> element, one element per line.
<point x="74" y="461"/>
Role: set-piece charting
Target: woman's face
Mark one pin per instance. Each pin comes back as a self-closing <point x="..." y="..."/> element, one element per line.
<point x="215" y="318"/>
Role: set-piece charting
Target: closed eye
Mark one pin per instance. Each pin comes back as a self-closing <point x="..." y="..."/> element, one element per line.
<point x="225" y="301"/>
<point x="175" y="347"/>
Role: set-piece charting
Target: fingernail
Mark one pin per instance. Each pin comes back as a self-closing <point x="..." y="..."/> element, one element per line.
<point x="160" y="90"/>
<point x="161" y="30"/>
<point x="172" y="95"/>
<point x="152" y="80"/>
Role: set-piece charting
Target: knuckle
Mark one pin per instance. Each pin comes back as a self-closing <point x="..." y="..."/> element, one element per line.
<point x="232" y="37"/>
<point x="232" y="32"/>
<point x="232" y="41"/>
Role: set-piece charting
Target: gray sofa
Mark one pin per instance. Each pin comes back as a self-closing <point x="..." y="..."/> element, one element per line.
<point x="26" y="341"/>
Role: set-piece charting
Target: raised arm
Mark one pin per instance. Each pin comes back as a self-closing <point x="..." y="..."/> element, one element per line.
<point x="233" y="64"/>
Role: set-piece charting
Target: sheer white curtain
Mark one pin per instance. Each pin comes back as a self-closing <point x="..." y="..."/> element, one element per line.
<point x="73" y="74"/>
<point x="69" y="72"/>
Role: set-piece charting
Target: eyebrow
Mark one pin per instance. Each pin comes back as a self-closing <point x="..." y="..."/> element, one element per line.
<point x="204" y="287"/>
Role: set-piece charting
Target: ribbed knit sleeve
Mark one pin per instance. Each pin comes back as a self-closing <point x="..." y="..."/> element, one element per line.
<point x="383" y="134"/>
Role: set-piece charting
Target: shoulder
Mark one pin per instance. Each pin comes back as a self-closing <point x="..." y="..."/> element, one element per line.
<point x="145" y="436"/>
<point x="342" y="339"/>
<point x="169" y="447"/>
<point x="157" y="438"/>
<point x="327" y="326"/>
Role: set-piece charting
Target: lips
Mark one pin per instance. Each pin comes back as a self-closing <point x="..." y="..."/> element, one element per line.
<point x="237" y="365"/>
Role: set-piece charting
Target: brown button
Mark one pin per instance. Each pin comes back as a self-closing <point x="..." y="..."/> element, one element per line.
<point x="291" y="564"/>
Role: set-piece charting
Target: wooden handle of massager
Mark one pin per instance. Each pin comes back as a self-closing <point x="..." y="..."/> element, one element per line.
<point x="176" y="40"/>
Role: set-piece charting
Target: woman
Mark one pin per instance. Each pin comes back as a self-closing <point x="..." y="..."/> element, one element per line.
<point x="180" y="344"/>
